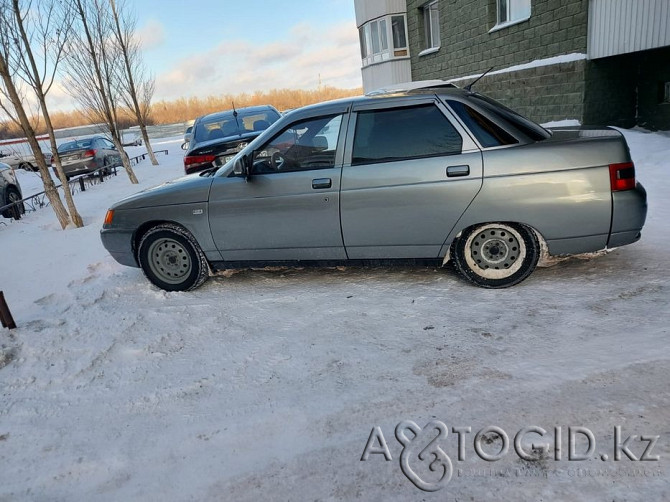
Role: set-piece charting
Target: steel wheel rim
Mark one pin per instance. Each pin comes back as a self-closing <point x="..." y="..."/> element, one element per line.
<point x="13" y="197"/>
<point x="170" y="260"/>
<point x="495" y="251"/>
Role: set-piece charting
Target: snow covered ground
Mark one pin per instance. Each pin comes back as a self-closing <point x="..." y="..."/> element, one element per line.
<point x="267" y="384"/>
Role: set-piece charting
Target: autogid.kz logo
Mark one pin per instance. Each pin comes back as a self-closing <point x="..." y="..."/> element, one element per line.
<point x="424" y="461"/>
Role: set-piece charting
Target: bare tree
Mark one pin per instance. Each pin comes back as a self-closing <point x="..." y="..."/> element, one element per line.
<point x="93" y="70"/>
<point x="138" y="84"/>
<point x="38" y="50"/>
<point x="12" y="105"/>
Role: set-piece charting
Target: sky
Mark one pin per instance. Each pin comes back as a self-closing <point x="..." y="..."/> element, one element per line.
<point x="207" y="47"/>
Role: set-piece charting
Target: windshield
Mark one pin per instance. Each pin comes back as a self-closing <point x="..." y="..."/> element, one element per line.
<point x="225" y="125"/>
<point x="526" y="126"/>
<point x="75" y="145"/>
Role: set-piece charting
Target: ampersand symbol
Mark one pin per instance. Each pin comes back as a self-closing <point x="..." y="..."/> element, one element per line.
<point x="440" y="459"/>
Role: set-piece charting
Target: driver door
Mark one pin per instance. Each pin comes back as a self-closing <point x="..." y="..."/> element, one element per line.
<point x="288" y="208"/>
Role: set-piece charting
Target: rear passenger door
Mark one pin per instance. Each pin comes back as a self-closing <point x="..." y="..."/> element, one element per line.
<point x="410" y="172"/>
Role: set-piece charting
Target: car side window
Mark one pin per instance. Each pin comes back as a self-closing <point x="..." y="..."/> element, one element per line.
<point x="487" y="133"/>
<point x="404" y="133"/>
<point x="304" y="145"/>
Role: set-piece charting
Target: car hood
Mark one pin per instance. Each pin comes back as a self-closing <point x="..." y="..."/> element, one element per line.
<point x="186" y="190"/>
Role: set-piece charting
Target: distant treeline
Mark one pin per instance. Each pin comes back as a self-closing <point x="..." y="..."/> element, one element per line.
<point x="184" y="109"/>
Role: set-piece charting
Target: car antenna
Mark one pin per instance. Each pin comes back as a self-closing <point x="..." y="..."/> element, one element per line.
<point x="235" y="114"/>
<point x="469" y="86"/>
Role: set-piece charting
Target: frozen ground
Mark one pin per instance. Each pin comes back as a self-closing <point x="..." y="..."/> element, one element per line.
<point x="266" y="385"/>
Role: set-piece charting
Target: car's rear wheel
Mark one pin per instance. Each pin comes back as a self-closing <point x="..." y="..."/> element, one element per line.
<point x="172" y="259"/>
<point x="496" y="255"/>
<point x="13" y="196"/>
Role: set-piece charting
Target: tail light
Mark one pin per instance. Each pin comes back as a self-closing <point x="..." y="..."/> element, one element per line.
<point x="51" y="161"/>
<point x="88" y="153"/>
<point x="622" y="176"/>
<point x="192" y="162"/>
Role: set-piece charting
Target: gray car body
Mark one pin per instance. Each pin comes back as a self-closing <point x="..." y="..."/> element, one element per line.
<point x="74" y="163"/>
<point x="560" y="187"/>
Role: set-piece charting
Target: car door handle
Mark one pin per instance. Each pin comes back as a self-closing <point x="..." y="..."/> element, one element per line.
<point x="321" y="183"/>
<point x="456" y="171"/>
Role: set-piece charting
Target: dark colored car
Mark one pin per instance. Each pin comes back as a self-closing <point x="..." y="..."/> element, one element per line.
<point x="10" y="192"/>
<point x="218" y="137"/>
<point x="86" y="155"/>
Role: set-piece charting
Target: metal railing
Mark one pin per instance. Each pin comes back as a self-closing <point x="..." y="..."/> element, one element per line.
<point x="76" y="184"/>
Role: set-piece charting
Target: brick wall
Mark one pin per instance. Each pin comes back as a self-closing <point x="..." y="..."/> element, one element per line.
<point x="556" y="27"/>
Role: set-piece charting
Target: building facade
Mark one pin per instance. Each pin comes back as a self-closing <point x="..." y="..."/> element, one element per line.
<point x="597" y="61"/>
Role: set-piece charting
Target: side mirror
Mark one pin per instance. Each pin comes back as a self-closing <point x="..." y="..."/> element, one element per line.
<point x="241" y="166"/>
<point x="184" y="146"/>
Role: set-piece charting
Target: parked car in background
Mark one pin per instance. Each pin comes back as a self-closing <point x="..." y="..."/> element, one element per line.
<point x="434" y="174"/>
<point x="188" y="133"/>
<point x="218" y="137"/>
<point x="18" y="160"/>
<point x="86" y="155"/>
<point x="10" y="192"/>
<point x="132" y="139"/>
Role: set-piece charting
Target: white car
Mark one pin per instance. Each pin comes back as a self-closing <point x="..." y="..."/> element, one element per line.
<point x="17" y="161"/>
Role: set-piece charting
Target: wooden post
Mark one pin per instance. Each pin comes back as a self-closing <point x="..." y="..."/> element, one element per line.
<point x="5" y="314"/>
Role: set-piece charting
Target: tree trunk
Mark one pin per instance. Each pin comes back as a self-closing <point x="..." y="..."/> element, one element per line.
<point x="124" y="159"/>
<point x="49" y="187"/>
<point x="37" y="85"/>
<point x="150" y="151"/>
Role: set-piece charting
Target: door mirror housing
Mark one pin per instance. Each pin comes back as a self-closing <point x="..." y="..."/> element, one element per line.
<point x="241" y="166"/>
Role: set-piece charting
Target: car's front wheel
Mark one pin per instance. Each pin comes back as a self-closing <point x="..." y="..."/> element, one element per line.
<point x="496" y="255"/>
<point x="172" y="259"/>
<point x="13" y="196"/>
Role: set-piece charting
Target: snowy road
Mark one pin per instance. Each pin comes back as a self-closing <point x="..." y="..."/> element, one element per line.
<point x="267" y="384"/>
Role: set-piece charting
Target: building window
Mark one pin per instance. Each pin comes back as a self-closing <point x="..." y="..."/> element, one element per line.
<point x="431" y="23"/>
<point x="375" y="35"/>
<point x="513" y="11"/>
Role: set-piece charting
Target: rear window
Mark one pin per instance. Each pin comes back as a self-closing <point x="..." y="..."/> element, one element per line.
<point x="526" y="126"/>
<point x="487" y="132"/>
<point x="75" y="145"/>
<point x="226" y="125"/>
<point x="403" y="133"/>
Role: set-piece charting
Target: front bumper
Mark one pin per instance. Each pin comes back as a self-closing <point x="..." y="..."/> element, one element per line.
<point x="119" y="243"/>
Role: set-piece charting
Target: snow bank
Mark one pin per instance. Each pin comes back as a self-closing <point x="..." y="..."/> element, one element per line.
<point x="266" y="384"/>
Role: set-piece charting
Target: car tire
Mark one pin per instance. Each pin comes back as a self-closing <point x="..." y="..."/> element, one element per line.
<point x="496" y="255"/>
<point x="13" y="195"/>
<point x="27" y="166"/>
<point x="171" y="258"/>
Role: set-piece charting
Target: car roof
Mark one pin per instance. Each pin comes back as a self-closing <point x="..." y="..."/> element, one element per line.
<point x="426" y="87"/>
<point x="224" y="113"/>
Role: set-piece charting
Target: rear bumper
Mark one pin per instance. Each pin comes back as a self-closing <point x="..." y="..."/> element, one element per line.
<point x="629" y="212"/>
<point x="119" y="244"/>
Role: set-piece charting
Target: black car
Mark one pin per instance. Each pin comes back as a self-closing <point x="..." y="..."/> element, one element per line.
<point x="218" y="137"/>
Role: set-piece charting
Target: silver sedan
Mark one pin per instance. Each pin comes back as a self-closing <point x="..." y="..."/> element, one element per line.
<point x="428" y="175"/>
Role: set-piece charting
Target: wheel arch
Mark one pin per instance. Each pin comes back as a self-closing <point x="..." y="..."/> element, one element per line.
<point x="145" y="227"/>
<point x="458" y="231"/>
